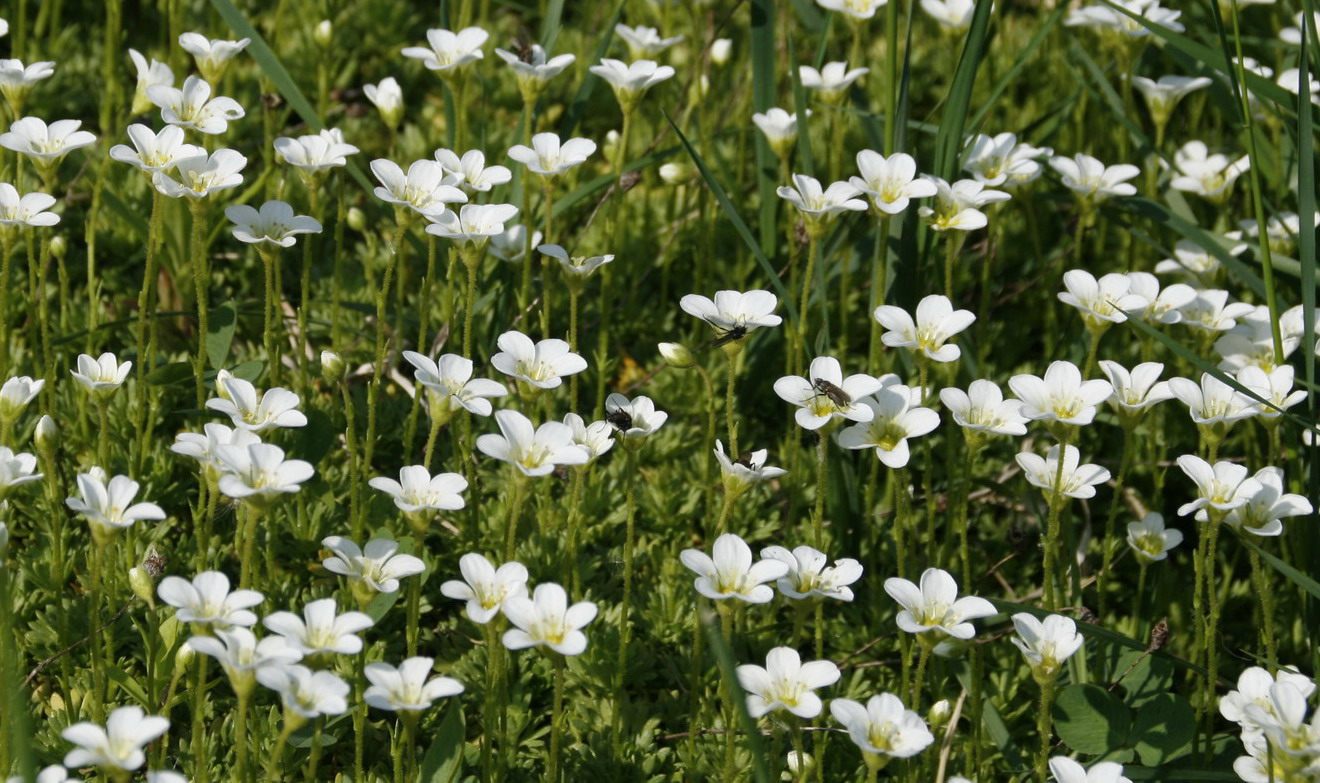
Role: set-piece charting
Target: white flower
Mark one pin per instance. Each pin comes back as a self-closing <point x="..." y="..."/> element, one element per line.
<point x="117" y="746"/>
<point x="1092" y="180"/>
<point x="388" y="99"/>
<point x="746" y="470"/>
<point x="1291" y="80"/>
<point x="1000" y="160"/>
<point x="212" y="56"/>
<point x="474" y="175"/>
<point x="576" y="267"/>
<point x="201" y="446"/>
<point x="533" y="452"/>
<point x="630" y="81"/>
<point x="304" y="692"/>
<point x="1150" y="540"/>
<point x="1138" y="390"/>
<point x="15" y="395"/>
<point x="1163" y="306"/>
<point x="1221" y="488"/>
<point x="55" y="773"/>
<point x="825" y="393"/>
<point x="720" y="50"/>
<point x="896" y="416"/>
<point x="733" y="314"/>
<point x="101" y="375"/>
<point x="957" y="205"/>
<point x="449" y="381"/>
<point x="542" y="365"/>
<point x="1046" y="644"/>
<point x="1101" y="302"/>
<point x="154" y="151"/>
<point x="1190" y="259"/>
<point x="148" y="74"/>
<point x="1065" y="770"/>
<point x="484" y="587"/>
<point x="16" y="79"/>
<point x="891" y="182"/>
<point x="883" y="726"/>
<point x="1061" y="395"/>
<point x="1213" y="402"/>
<point x="808" y="575"/>
<point x="1253" y="690"/>
<point x="1293" y="35"/>
<point x="1163" y="95"/>
<point x="274" y="223"/>
<point x="634" y="418"/>
<point x="208" y="600"/>
<point x="241" y="655"/>
<point x="406" y="688"/>
<point x="1275" y="387"/>
<point x="596" y="438"/>
<point x="982" y="408"/>
<point x="238" y="400"/>
<point x="549" y="157"/>
<point x="321" y="629"/>
<point x="533" y="69"/>
<point x="449" y="51"/>
<point x="821" y="204"/>
<point x="1210" y="176"/>
<point x="16" y="470"/>
<point x="193" y="107"/>
<point x="731" y="573"/>
<point x="1211" y="311"/>
<point x="1074" y="481"/>
<point x="935" y="606"/>
<point x="199" y="176"/>
<point x="29" y="210"/>
<point x="952" y="15"/>
<point x="785" y="682"/>
<point x="644" y="41"/>
<point x="378" y="567"/>
<point x="780" y="129"/>
<point x="831" y="81"/>
<point x="417" y="490"/>
<point x="110" y="507"/>
<point x="259" y="472"/>
<point x="1115" y="21"/>
<point x="315" y="153"/>
<point x="512" y="244"/>
<point x="472" y="225"/>
<point x="46" y="144"/>
<point x="1265" y="508"/>
<point x="547" y="619"/>
<point x="424" y="188"/>
<point x="935" y="323"/>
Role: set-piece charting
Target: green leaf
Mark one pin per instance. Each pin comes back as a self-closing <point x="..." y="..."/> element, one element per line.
<point x="1163" y="729"/>
<point x="444" y="759"/>
<point x="949" y="139"/>
<point x="719" y="647"/>
<point x="316" y="439"/>
<point x="381" y="604"/>
<point x="1091" y="719"/>
<point x="1143" y="677"/>
<point x="1212" y="244"/>
<point x="1010" y="76"/>
<point x="578" y="106"/>
<point x="765" y="73"/>
<point x="1293" y="575"/>
<point x="170" y="374"/>
<point x="248" y="371"/>
<point x="220" y="333"/>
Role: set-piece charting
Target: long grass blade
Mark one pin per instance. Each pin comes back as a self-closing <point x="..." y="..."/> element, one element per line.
<point x="765" y="75"/>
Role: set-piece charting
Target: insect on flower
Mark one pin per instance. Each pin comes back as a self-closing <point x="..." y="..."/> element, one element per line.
<point x="836" y="395"/>
<point x="724" y="336"/>
<point x="621" y="419"/>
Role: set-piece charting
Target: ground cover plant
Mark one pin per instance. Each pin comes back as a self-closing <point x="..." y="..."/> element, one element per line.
<point x="735" y="390"/>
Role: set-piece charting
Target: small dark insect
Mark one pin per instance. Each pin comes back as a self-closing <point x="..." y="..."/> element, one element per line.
<point x="620" y="418"/>
<point x="726" y="336"/>
<point x="837" y="396"/>
<point x="745" y="459"/>
<point x="522" y="48"/>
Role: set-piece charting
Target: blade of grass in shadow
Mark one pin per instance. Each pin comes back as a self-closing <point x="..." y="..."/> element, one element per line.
<point x="738" y="224"/>
<point x="805" y="163"/>
<point x="1298" y="578"/>
<point x="1309" y="545"/>
<point x="1010" y="76"/>
<point x="764" y="77"/>
<point x="550" y="25"/>
<point x="1153" y="210"/>
<point x="724" y="658"/>
<point x="579" y="103"/>
<point x="949" y="139"/>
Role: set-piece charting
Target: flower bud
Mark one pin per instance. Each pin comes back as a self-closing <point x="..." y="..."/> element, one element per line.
<point x="356" y="220"/>
<point x="721" y="50"/>
<point x="59" y="246"/>
<point x="220" y="390"/>
<point x="324" y="33"/>
<point x="610" y="147"/>
<point x="47" y="434"/>
<point x="184" y="657"/>
<point x="142" y="585"/>
<point x="332" y="367"/>
<point x="4" y="543"/>
<point x="676" y="173"/>
<point x="939" y="715"/>
<point x="800" y="764"/>
<point x="677" y="355"/>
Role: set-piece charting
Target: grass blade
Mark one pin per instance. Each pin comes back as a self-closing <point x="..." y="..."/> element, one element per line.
<point x="1153" y="210"/>
<point x="949" y="139"/>
<point x="765" y="75"/>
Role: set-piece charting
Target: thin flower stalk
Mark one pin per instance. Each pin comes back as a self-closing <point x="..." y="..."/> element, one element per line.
<point x="201" y="282"/>
<point x="402" y="221"/>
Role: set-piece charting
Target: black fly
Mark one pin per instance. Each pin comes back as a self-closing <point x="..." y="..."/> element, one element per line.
<point x="745" y="459"/>
<point x="837" y="396"/>
<point x="726" y="336"/>
<point x="621" y="419"/>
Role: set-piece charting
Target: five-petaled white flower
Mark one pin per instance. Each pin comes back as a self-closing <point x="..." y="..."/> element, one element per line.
<point x="550" y="157"/>
<point x="17" y="79"/>
<point x="1163" y="94"/>
<point x="951" y="15"/>
<point x="810" y="576"/>
<point x="238" y="400"/>
<point x="1220" y="488"/>
<point x="424" y="189"/>
<point x="388" y="98"/>
<point x="896" y="415"/>
<point x="148" y="73"/>
<point x="534" y="452"/>
<point x="733" y="314"/>
<point x="417" y="490"/>
<point x="27" y="210"/>
<point x="1061" y="396"/>
<point x="1000" y="161"/>
<point x="16" y="470"/>
<point x="853" y="9"/>
<point x="820" y="206"/>
<point x="193" y="107"/>
<point x="935" y="323"/>
<point x="119" y="745"/>
<point x="315" y="153"/>
<point x="1212" y="312"/>
<point x="958" y="204"/>
<point x="378" y="567"/>
<point x="630" y="81"/>
<point x="1075" y="480"/>
<point x="1138" y="390"/>
<point x="537" y="69"/>
<point x="241" y="655"/>
<point x="1163" y="305"/>
<point x="484" y="587"/>
<point x="596" y="438"/>
<point x="1213" y="402"/>
<point x="935" y="605"/>
<point x="448" y="52"/>
<point x="471" y="169"/>
<point x="405" y="688"/>
<point x="731" y="573"/>
<point x="109" y="506"/>
<point x="1274" y="387"/>
<point x="547" y="619"/>
<point x="15" y="395"/>
<point x="46" y="145"/>
<point x="259" y="472"/>
<point x="207" y="600"/>
<point x="1092" y="180"/>
<point x="635" y="418"/>
<point x="274" y="223"/>
<point x="891" y="182"/>
<point x="1101" y="302"/>
<point x="1065" y="770"/>
<point x="199" y="176"/>
<point x="321" y="629"/>
<point x="576" y="268"/>
<point x="643" y="41"/>
<point x="1150" y="540"/>
<point x="983" y="409"/>
<point x="212" y="55"/>
<point x="1046" y="643"/>
<point x="471" y="227"/>
<point x="304" y="692"/>
<point x="786" y="683"/>
<point x="201" y="445"/>
<point x="780" y="129"/>
<point x="154" y="152"/>
<point x="825" y="393"/>
<point x="884" y="726"/>
<point x="1211" y="176"/>
<point x="832" y="81"/>
<point x="101" y="375"/>
<point x="542" y="365"/>
<point x="1264" y="511"/>
<point x="450" y="383"/>
<point x="745" y="470"/>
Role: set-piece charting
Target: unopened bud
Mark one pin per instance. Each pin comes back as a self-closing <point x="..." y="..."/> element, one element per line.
<point x="220" y="390"/>
<point x="47" y="434"/>
<point x="4" y="543"/>
<point x="142" y="585"/>
<point x="184" y="657"/>
<point x="324" y="33"/>
<point x="356" y="220"/>
<point x="59" y="246"/>
<point x="800" y="764"/>
<point x="720" y="50"/>
<point x="676" y="173"/>
<point x="939" y="714"/>
<point x="332" y="367"/>
<point x="677" y="355"/>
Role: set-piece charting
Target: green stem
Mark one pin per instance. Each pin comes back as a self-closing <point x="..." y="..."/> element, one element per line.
<point x="571" y="572"/>
<point x="402" y="220"/>
<point x="1107" y="545"/>
<point x="919" y="679"/>
<point x="249" y="546"/>
<point x="625" y="617"/>
<point x="201" y="763"/>
<point x="879" y="264"/>
<point x="472" y="260"/>
<point x="515" y="513"/>
<point x="1044" y="728"/>
<point x="242" y="772"/>
<point x="547" y="290"/>
<point x="818" y="515"/>
<point x="813" y="250"/>
<point x="732" y="372"/>
<point x="201" y="280"/>
<point x="414" y="613"/>
<point x="556" y="721"/>
<point x="103" y="436"/>
<point x="730" y="708"/>
<point x="1056" y="501"/>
